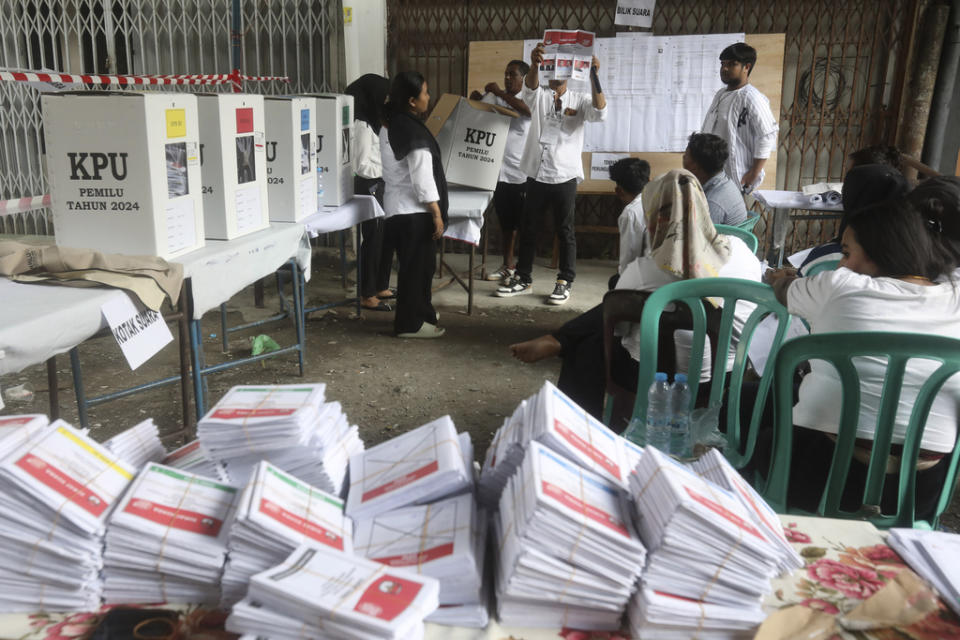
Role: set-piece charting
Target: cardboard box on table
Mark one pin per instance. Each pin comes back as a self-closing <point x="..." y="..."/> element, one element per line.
<point x="291" y="157"/>
<point x="472" y="136"/>
<point x="334" y="142"/>
<point x="124" y="171"/>
<point x="234" y="164"/>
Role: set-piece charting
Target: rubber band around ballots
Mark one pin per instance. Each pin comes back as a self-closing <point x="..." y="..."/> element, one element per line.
<point x="243" y="424"/>
<point x="583" y="522"/>
<point x="435" y="446"/>
<point x="176" y="512"/>
<point x="423" y="538"/>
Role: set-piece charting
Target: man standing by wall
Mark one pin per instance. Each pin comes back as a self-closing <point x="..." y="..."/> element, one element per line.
<point x="741" y="115"/>
<point x="551" y="160"/>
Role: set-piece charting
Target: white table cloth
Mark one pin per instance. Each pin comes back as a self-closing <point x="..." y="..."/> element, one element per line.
<point x="466" y="214"/>
<point x="356" y="210"/>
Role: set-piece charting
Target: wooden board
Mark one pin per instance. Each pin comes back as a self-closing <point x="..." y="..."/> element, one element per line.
<point x="487" y="60"/>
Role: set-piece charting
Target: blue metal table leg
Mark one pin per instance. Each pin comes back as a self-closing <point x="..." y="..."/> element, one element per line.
<point x="298" y="314"/>
<point x="343" y="260"/>
<point x="78" y="386"/>
<point x="223" y="327"/>
<point x="196" y="347"/>
<point x="359" y="245"/>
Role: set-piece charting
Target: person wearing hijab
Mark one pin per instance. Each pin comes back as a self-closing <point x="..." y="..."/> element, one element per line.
<point x="415" y="202"/>
<point x="369" y="92"/>
<point x="684" y="245"/>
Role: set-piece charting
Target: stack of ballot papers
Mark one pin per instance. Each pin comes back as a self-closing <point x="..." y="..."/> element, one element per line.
<point x="56" y="493"/>
<point x="166" y="540"/>
<point x="704" y="547"/>
<point x="277" y="513"/>
<point x="715" y="468"/>
<point x="933" y="555"/>
<point x="420" y="466"/>
<point x="319" y="592"/>
<point x="568" y="551"/>
<point x="444" y="540"/>
<point x="138" y="445"/>
<point x="288" y="425"/>
<point x="16" y="431"/>
<point x="194" y="458"/>
<point x="553" y="419"/>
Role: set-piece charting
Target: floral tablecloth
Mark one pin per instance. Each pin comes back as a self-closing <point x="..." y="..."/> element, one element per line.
<point x="847" y="562"/>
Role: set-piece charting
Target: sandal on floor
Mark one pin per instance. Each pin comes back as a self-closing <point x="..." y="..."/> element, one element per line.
<point x="381" y="306"/>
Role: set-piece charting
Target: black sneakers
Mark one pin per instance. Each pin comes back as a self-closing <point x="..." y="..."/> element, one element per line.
<point x="561" y="293"/>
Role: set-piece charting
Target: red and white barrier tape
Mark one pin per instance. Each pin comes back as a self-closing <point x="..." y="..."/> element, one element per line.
<point x="19" y="205"/>
<point x="67" y="78"/>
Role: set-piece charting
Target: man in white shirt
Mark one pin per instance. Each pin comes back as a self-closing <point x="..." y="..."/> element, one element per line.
<point x="631" y="175"/>
<point x="512" y="184"/>
<point x="741" y="115"/>
<point x="551" y="161"/>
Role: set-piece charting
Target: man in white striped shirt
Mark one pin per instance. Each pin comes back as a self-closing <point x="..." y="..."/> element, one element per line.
<point x="741" y="115"/>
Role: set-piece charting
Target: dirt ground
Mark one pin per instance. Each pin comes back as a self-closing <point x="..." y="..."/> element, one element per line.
<point x="386" y="385"/>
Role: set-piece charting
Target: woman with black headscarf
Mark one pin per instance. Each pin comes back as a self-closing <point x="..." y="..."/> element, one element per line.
<point x="415" y="201"/>
<point x="369" y="92"/>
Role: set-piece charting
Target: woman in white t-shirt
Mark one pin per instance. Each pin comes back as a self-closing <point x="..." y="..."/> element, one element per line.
<point x="683" y="245"/>
<point x="887" y="280"/>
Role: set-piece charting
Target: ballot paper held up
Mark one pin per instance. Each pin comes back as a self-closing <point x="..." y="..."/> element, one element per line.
<point x="140" y="334"/>
<point x="567" y="54"/>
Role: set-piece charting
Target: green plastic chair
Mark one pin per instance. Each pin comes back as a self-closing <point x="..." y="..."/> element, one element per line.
<point x="691" y="294"/>
<point x="748" y="224"/>
<point x="839" y="349"/>
<point x="743" y="234"/>
<point x="826" y="265"/>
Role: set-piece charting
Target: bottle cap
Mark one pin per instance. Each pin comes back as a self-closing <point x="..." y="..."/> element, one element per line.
<point x="680" y="377"/>
<point x="660" y="376"/>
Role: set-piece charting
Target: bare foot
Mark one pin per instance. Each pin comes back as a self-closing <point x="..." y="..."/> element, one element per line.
<point x="386" y="293"/>
<point x="537" y="349"/>
<point x="370" y="303"/>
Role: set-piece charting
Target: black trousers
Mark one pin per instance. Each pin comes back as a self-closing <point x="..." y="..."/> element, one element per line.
<point x="417" y="258"/>
<point x="559" y="199"/>
<point x="508" y="200"/>
<point x="582" y="372"/>
<point x="372" y="252"/>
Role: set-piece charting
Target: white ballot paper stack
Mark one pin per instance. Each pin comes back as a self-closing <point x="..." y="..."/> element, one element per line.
<point x="417" y="467"/>
<point x="138" y="445"/>
<point x="553" y="419"/>
<point x="933" y="555"/>
<point x="56" y="492"/>
<point x="569" y="553"/>
<point x="277" y="513"/>
<point x="166" y="540"/>
<point x="321" y="593"/>
<point x="288" y="425"/>
<point x="444" y="540"/>
<point x="16" y="431"/>
<point x="704" y="549"/>
<point x="194" y="458"/>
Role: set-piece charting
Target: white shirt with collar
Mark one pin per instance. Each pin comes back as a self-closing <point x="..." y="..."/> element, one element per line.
<point x="366" y="151"/>
<point x="633" y="233"/>
<point x="510" y="171"/>
<point x="555" y="140"/>
<point x="408" y="184"/>
<point x="743" y="118"/>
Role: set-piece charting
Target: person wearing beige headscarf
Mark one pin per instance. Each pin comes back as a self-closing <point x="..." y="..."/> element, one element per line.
<point x="683" y="245"/>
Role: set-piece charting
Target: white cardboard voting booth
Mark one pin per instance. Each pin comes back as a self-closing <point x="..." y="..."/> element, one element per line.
<point x="124" y="171"/>
<point x="291" y="157"/>
<point x="334" y="134"/>
<point x="234" y="162"/>
<point x="472" y="136"/>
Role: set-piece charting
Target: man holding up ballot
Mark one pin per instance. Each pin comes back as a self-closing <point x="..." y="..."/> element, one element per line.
<point x="551" y="161"/>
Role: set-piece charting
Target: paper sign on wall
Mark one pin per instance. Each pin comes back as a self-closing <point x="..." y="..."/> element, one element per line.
<point x="140" y="334"/>
<point x="635" y="13"/>
<point x="600" y="164"/>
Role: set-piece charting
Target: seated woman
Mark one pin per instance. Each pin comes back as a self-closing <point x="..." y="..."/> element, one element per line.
<point x="887" y="281"/>
<point x="939" y="200"/>
<point x="684" y="245"/>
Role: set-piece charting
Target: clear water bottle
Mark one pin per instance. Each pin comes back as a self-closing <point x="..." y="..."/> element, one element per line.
<point x="680" y="417"/>
<point x="636" y="432"/>
<point x="658" y="413"/>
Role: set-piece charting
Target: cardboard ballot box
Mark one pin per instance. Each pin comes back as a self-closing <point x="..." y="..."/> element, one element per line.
<point x="334" y="139"/>
<point x="291" y="157"/>
<point x="234" y="162"/>
<point x="472" y="136"/>
<point x="124" y="171"/>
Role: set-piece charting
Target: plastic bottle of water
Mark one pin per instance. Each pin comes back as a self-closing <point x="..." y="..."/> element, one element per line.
<point x="658" y="413"/>
<point x="636" y="432"/>
<point x="680" y="417"/>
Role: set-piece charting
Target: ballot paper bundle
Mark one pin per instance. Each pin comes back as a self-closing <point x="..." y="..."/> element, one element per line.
<point x="553" y="419"/>
<point x="715" y="468"/>
<point x="444" y="540"/>
<point x="569" y="553"/>
<point x="166" y="540"/>
<point x="276" y="513"/>
<point x="704" y="546"/>
<point x="321" y="593"/>
<point x="56" y="492"/>
<point x="933" y="555"/>
<point x="288" y="425"/>
<point x="420" y="466"/>
<point x="16" y="431"/>
<point x="194" y="458"/>
<point x="138" y="445"/>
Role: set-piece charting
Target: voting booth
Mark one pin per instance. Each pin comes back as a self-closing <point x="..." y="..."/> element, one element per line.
<point x="124" y="171"/>
<point x="291" y="157"/>
<point x="334" y="135"/>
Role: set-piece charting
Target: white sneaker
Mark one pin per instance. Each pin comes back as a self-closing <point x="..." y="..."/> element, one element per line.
<point x="501" y="275"/>
<point x="513" y="287"/>
<point x="561" y="293"/>
<point x="426" y="330"/>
